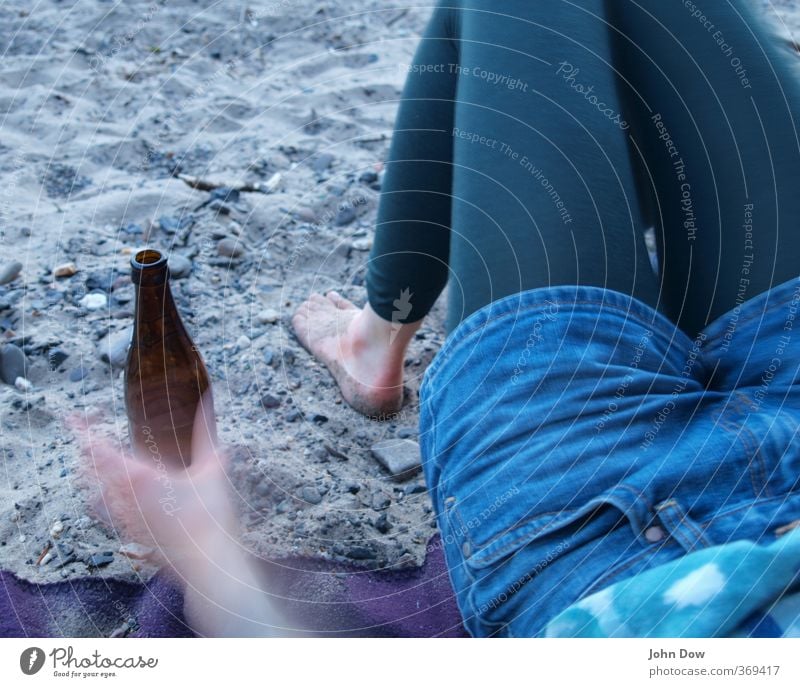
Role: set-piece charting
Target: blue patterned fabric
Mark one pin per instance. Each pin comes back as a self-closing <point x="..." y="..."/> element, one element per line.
<point x="740" y="589"/>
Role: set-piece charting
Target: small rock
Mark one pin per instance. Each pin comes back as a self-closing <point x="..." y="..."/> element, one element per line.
<point x="344" y="216"/>
<point x="65" y="270"/>
<point x="270" y="401"/>
<point x="406" y="432"/>
<point x="10" y="271"/>
<point x="101" y="280"/>
<point x="368" y="177"/>
<point x="78" y="373"/>
<point x="114" y="348"/>
<point x="12" y="363"/>
<point x="94" y="301"/>
<point x="268" y="316"/>
<point x="353" y="487"/>
<point x="99" y="559"/>
<point x="269" y="356"/>
<point x="272" y="183"/>
<point x="362" y="244"/>
<point x="322" y="162"/>
<point x="305" y="215"/>
<point x="319" y="418"/>
<point x="293" y="415"/>
<point x="311" y="495"/>
<point x="55" y="356"/>
<point x="382" y="524"/>
<point x="361" y="553"/>
<point x="415" y="488"/>
<point x="170" y="225"/>
<point x="344" y="249"/>
<point x="242" y="343"/>
<point x="401" y="457"/>
<point x="226" y="195"/>
<point x="180" y="267"/>
<point x="22" y="384"/>
<point x="230" y="248"/>
<point x="57" y="529"/>
<point x="136" y="551"/>
<point x="380" y="501"/>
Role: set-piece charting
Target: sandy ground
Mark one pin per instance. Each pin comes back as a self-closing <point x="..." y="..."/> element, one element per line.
<point x="104" y="106"/>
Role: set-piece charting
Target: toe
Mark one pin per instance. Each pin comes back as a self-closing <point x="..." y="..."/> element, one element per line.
<point x="340" y="301"/>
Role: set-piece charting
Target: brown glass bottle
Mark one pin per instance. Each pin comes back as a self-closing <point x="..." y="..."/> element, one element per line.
<point x="165" y="376"/>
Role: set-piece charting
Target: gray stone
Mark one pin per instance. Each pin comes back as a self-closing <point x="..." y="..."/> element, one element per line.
<point x="345" y="216"/>
<point x="114" y="348"/>
<point x="270" y="401"/>
<point x="99" y="559"/>
<point x="12" y="363"/>
<point x="311" y="495"/>
<point x="230" y="248"/>
<point x="10" y="271"/>
<point x="180" y="267"/>
<point x="401" y="457"/>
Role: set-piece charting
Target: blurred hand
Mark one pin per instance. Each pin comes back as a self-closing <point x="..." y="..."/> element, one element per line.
<point x="175" y="511"/>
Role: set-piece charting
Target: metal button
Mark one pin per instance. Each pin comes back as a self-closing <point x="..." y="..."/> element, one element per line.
<point x="466" y="549"/>
<point x="654" y="533"/>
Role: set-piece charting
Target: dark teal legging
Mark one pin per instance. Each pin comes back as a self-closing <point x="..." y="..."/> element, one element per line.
<point x="536" y="141"/>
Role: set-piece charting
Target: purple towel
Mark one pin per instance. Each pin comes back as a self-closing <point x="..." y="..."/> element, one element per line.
<point x="319" y="598"/>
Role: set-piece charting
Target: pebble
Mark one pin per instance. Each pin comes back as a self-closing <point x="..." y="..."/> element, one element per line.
<point x="268" y="316"/>
<point x="380" y="501"/>
<point x="382" y="524"/>
<point x="230" y="248"/>
<point x="225" y="194"/>
<point x="305" y="215"/>
<point x="406" y="432"/>
<point x="242" y="343"/>
<point x="78" y="373"/>
<point x="362" y="244"/>
<point x="10" y="271"/>
<point x="322" y="162"/>
<point x="311" y="495"/>
<point x="12" y="363"/>
<point x="101" y="280"/>
<point x="361" y="553"/>
<point x="269" y="356"/>
<point x="57" y="529"/>
<point x="99" y="559"/>
<point x="114" y="348"/>
<point x="65" y="270"/>
<point x="55" y="356"/>
<point x="270" y="401"/>
<point x="137" y="551"/>
<point x="23" y="384"/>
<point x="368" y="177"/>
<point x="345" y="216"/>
<point x="94" y="301"/>
<point x="401" y="457"/>
<point x="180" y="267"/>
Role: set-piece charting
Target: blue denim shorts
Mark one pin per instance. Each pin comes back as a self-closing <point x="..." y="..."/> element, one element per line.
<point x="572" y="436"/>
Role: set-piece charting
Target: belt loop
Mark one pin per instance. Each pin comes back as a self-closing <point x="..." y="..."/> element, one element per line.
<point x="680" y="526"/>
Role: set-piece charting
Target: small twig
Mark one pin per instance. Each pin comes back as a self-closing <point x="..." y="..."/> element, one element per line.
<point x="397" y="17"/>
<point x="205" y="185"/>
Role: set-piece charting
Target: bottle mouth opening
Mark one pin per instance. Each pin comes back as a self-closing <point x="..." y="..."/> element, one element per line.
<point x="148" y="258"/>
<point x="149" y="267"/>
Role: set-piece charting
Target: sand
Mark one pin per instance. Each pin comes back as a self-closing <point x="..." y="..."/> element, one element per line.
<point x="111" y="113"/>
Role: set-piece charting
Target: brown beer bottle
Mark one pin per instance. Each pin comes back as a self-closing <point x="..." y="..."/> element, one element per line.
<point x="165" y="376"/>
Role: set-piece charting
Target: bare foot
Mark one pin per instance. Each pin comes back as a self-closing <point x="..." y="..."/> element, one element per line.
<point x="358" y="348"/>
